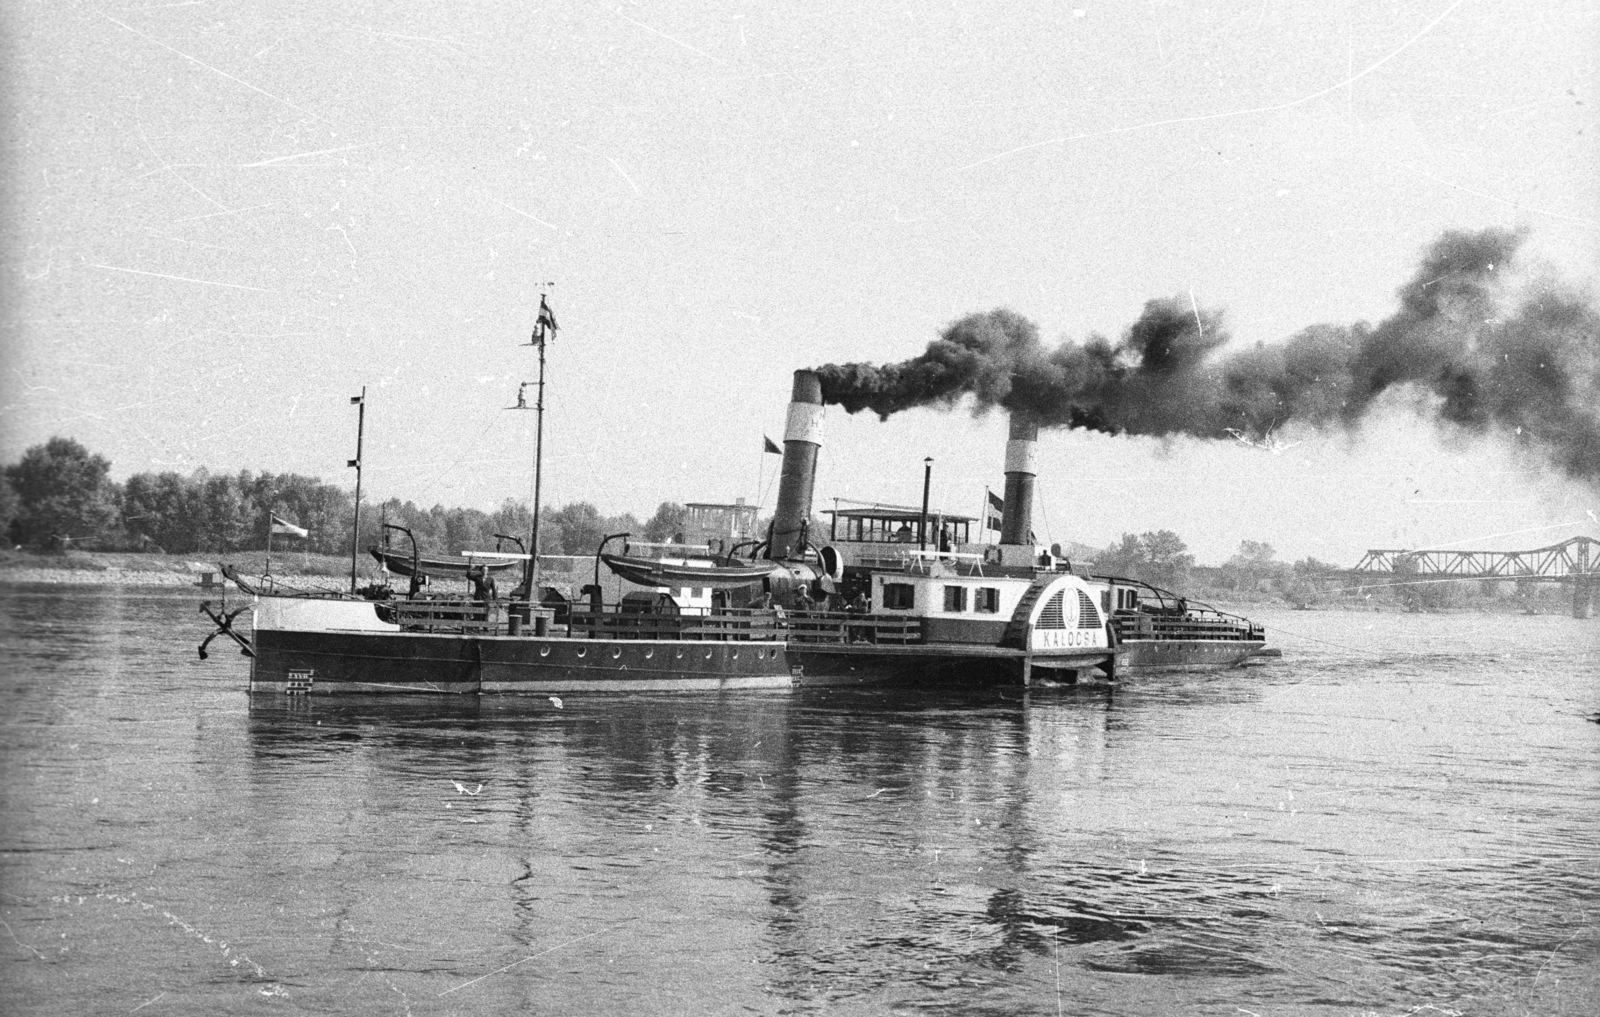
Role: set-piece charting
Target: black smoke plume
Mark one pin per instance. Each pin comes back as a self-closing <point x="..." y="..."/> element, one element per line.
<point x="1526" y="363"/>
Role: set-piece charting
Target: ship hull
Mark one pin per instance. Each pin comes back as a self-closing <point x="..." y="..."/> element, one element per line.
<point x="1184" y="654"/>
<point x="366" y="663"/>
<point x="333" y="663"/>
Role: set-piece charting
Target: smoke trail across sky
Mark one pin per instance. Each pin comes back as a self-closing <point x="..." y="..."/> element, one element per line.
<point x="1493" y="357"/>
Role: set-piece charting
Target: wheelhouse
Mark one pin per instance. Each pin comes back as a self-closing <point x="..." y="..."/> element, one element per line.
<point x="888" y="524"/>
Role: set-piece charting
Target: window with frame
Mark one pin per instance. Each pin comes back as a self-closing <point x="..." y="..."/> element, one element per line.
<point x="955" y="598"/>
<point x="899" y="596"/>
<point x="986" y="600"/>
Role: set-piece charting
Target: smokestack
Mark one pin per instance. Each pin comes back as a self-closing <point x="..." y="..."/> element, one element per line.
<point x="1017" y="519"/>
<point x="802" y="437"/>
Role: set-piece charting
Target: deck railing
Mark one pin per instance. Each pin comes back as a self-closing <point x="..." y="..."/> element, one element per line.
<point x="1139" y="625"/>
<point x="471" y="617"/>
<point x="445" y="616"/>
<point x="844" y="627"/>
<point x="732" y="624"/>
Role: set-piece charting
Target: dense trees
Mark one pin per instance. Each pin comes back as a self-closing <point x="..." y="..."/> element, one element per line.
<point x="64" y="495"/>
<point x="1159" y="557"/>
<point x="667" y="523"/>
<point x="1254" y="568"/>
<point x="59" y="495"/>
<point x="9" y="505"/>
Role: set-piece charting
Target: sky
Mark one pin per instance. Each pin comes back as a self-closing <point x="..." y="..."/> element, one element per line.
<point x="222" y="220"/>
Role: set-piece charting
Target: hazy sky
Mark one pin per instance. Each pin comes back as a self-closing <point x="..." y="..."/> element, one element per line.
<point x="222" y="219"/>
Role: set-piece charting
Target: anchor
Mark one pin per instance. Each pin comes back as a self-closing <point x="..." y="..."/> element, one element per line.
<point x="225" y="628"/>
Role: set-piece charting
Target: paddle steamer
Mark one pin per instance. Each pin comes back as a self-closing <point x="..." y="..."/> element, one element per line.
<point x="788" y="611"/>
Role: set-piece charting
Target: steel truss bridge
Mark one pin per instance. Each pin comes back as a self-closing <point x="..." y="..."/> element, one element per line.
<point x="1575" y="562"/>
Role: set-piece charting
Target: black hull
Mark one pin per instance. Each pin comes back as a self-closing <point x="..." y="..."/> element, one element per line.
<point x="1184" y="654"/>
<point x="332" y="663"/>
<point x="335" y="663"/>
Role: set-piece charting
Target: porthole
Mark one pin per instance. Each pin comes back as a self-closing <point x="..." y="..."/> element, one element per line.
<point x="651" y="652"/>
<point x="544" y="651"/>
<point x="583" y="651"/>
<point x="708" y="654"/>
<point x="616" y="652"/>
<point x="735" y="654"/>
<point x="680" y="654"/>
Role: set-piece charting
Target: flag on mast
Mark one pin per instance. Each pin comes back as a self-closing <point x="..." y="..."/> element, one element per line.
<point x="993" y="511"/>
<point x="285" y="528"/>
<point x="547" y="317"/>
<point x="771" y="446"/>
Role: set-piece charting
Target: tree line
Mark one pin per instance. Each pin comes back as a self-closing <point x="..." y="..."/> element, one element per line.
<point x="60" y="495"/>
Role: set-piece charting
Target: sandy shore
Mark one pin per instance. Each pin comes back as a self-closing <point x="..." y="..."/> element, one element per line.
<point x="137" y="577"/>
<point x="90" y="568"/>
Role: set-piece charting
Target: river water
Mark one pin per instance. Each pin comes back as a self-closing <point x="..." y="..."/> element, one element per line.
<point x="1401" y="816"/>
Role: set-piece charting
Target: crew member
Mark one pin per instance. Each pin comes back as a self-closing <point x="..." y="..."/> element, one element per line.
<point x="483" y="587"/>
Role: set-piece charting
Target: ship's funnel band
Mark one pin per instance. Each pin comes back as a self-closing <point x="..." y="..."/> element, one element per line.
<point x="1022" y="456"/>
<point x="804" y="423"/>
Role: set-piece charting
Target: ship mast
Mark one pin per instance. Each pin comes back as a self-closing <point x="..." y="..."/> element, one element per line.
<point x="543" y="330"/>
<point x="355" y="527"/>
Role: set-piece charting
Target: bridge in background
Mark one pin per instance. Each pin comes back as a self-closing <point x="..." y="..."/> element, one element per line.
<point x="1575" y="562"/>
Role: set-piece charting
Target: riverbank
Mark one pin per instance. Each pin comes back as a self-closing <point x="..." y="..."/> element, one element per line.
<point x="114" y="568"/>
<point x="306" y="571"/>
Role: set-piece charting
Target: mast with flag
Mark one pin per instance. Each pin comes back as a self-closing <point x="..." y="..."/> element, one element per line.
<point x="544" y="329"/>
<point x="355" y="527"/>
<point x="283" y="527"/>
<point x="994" y="508"/>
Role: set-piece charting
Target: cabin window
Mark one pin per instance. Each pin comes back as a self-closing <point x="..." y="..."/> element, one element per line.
<point x="955" y="598"/>
<point x="899" y="596"/>
<point x="987" y="600"/>
<point x="1105" y="600"/>
<point x="1088" y="617"/>
<point x="1050" y="617"/>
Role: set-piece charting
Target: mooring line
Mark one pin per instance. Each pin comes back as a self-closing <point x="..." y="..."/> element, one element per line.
<point x="1342" y="646"/>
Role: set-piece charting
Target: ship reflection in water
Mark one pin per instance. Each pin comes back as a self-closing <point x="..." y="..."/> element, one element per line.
<point x="871" y="849"/>
<point x="1397" y="815"/>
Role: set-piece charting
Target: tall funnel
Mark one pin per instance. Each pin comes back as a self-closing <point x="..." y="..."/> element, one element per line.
<point x="1016" y="521"/>
<point x="802" y="437"/>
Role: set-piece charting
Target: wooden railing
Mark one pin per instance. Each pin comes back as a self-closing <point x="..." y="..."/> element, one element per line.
<point x="443" y="616"/>
<point x="1139" y="625"/>
<point x="719" y="626"/>
<point x="843" y="627"/>
<point x="733" y="624"/>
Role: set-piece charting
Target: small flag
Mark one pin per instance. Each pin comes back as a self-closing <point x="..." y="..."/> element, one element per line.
<point x="357" y="400"/>
<point x="547" y="317"/>
<point x="993" y="511"/>
<point x="288" y="529"/>
<point x="772" y="446"/>
<point x="354" y="464"/>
